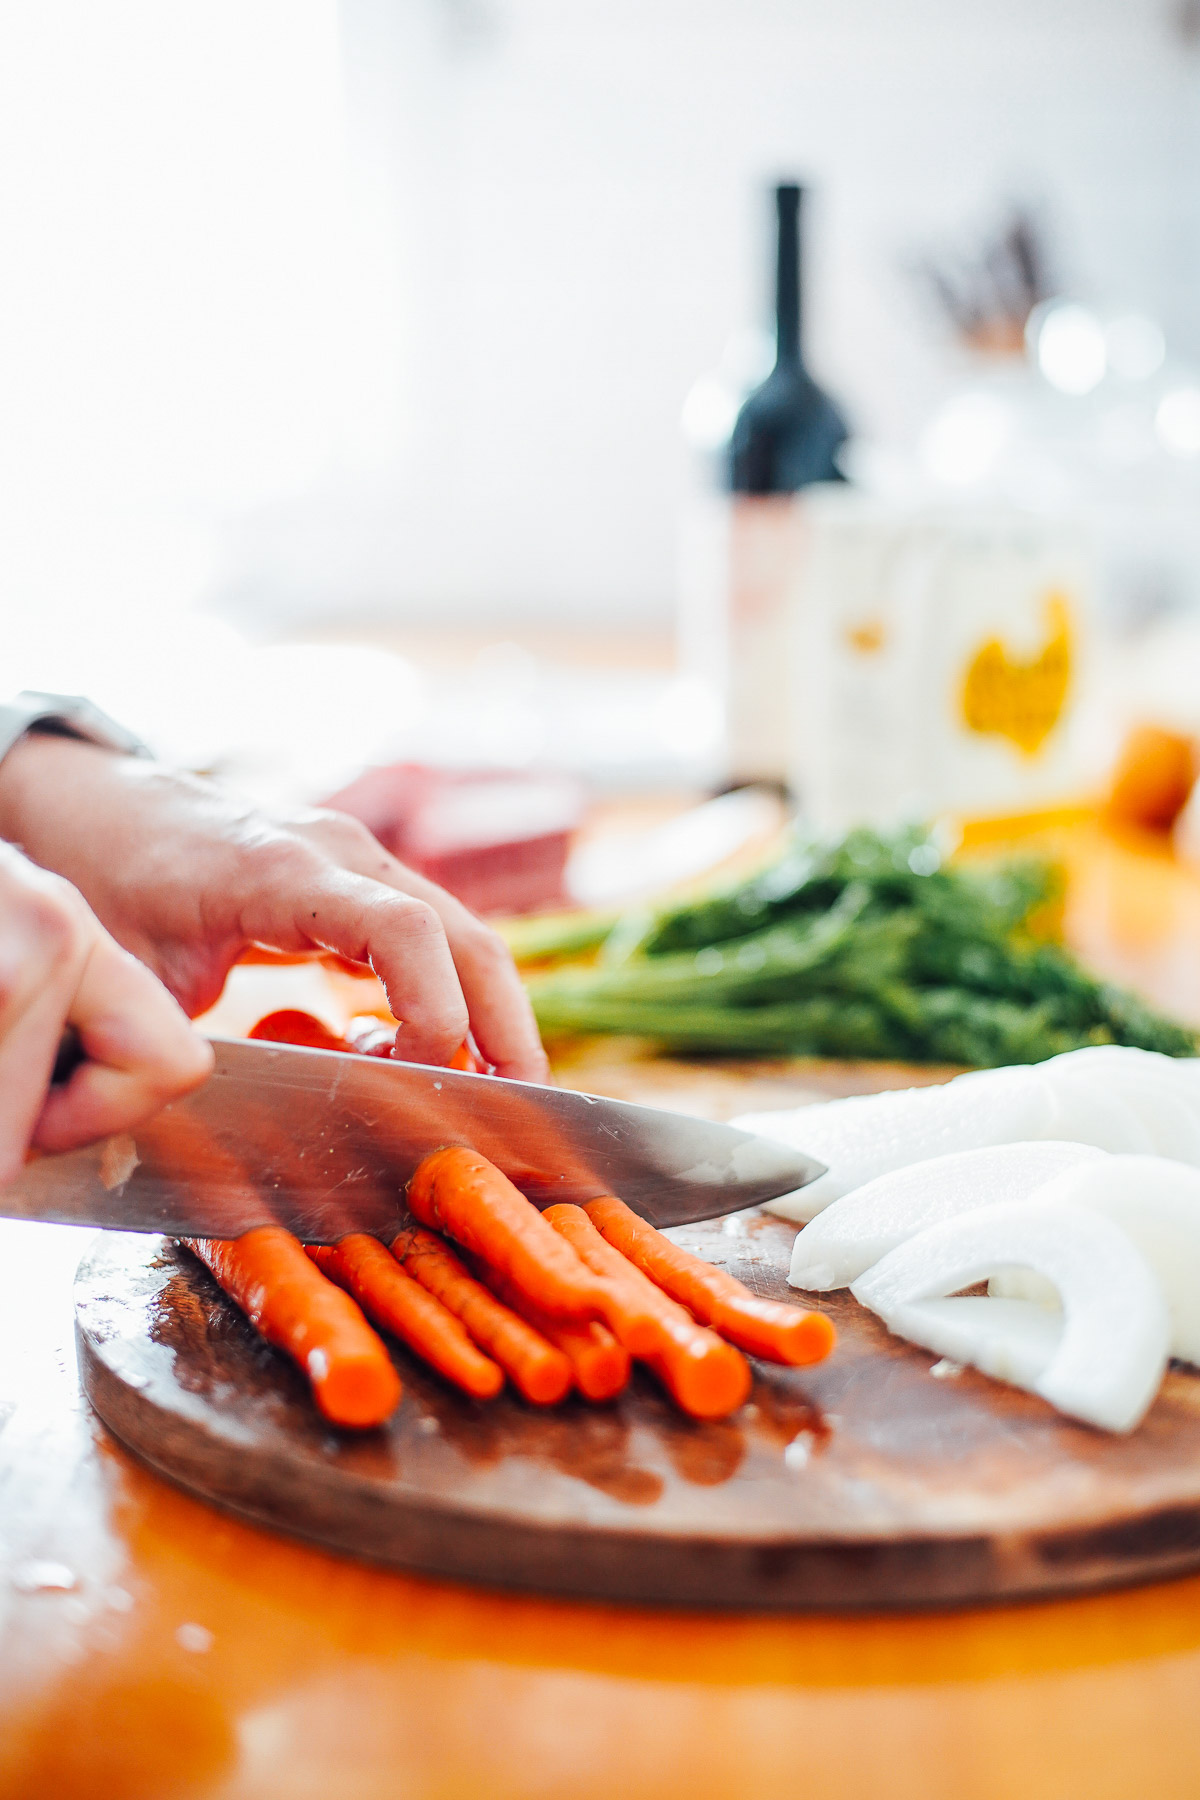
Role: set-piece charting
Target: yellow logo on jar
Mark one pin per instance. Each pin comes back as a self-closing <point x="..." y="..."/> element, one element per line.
<point x="1022" y="701"/>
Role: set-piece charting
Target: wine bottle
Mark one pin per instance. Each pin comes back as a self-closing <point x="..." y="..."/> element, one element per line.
<point x="785" y="439"/>
<point x="788" y="432"/>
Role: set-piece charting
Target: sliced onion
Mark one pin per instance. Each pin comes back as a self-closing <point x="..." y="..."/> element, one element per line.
<point x="844" y="1241"/>
<point x="1101" y="1362"/>
<point x="861" y="1138"/>
<point x="1101" y="1086"/>
<point x="1157" y="1204"/>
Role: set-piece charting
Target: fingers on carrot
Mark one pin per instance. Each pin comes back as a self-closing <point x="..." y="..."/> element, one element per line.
<point x="401" y="1305"/>
<point x="457" y="1191"/>
<point x="599" y="1364"/>
<point x="291" y="1026"/>
<point x="295" y="1308"/>
<point x="535" y="1366"/>
<point x="707" y="1377"/>
<point x="767" y="1328"/>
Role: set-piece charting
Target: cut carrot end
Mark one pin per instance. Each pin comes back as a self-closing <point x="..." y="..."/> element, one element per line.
<point x="707" y="1386"/>
<point x="815" y="1339"/>
<point x="357" y="1393"/>
<point x="805" y="1337"/>
<point x="484" y="1385"/>
<point x="603" y="1372"/>
<point x="547" y="1384"/>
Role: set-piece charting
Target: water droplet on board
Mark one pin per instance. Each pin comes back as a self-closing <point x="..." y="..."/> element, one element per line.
<point x="197" y="1638"/>
<point x="798" y="1451"/>
<point x="428" y="1426"/>
<point x="40" y="1577"/>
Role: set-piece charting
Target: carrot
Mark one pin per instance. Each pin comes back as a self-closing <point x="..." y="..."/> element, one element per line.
<point x="459" y="1192"/>
<point x="537" y="1369"/>
<point x="706" y="1376"/>
<point x="295" y="1308"/>
<point x="291" y="1026"/>
<point x="365" y="1034"/>
<point x="399" y="1304"/>
<point x="767" y="1328"/>
<point x="599" y="1364"/>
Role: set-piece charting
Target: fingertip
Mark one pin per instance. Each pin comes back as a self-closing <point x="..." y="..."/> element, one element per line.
<point x="433" y="1034"/>
<point x="532" y="1069"/>
<point x="196" y="1061"/>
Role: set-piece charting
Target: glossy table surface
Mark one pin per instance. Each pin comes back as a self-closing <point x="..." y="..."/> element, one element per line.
<point x="150" y="1647"/>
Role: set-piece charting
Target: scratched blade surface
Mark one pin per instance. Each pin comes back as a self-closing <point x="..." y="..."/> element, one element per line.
<point x="322" y="1143"/>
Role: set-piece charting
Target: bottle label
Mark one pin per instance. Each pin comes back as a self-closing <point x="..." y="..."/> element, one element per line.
<point x="1021" y="698"/>
<point x="766" y="547"/>
<point x="942" y="656"/>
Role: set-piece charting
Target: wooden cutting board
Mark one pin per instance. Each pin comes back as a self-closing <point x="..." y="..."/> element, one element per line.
<point x="868" y="1481"/>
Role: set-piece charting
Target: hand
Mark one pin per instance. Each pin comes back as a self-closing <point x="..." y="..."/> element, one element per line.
<point x="58" y="967"/>
<point x="187" y="878"/>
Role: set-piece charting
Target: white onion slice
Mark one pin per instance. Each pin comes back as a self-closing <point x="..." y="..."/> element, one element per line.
<point x="1105" y="1361"/>
<point x="1157" y="1203"/>
<point x="870" y="1134"/>
<point x="1089" y="1112"/>
<point x="842" y="1242"/>
<point x="1098" y="1086"/>
<point x="1186" y="1072"/>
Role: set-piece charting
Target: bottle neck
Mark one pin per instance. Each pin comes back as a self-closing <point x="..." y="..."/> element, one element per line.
<point x="788" y="351"/>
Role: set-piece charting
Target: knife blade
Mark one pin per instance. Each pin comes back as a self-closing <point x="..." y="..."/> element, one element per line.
<point x="323" y="1142"/>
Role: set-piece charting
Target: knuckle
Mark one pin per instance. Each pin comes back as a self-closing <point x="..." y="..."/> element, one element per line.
<point x="51" y="924"/>
<point x="488" y="948"/>
<point x="281" y="866"/>
<point x="421" y="922"/>
<point x="341" y="831"/>
<point x="282" y="853"/>
<point x="44" y="924"/>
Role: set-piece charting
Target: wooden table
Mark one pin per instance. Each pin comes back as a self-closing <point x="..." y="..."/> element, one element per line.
<point x="150" y="1647"/>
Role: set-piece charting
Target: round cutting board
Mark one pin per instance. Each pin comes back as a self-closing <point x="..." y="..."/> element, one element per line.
<point x="876" y="1479"/>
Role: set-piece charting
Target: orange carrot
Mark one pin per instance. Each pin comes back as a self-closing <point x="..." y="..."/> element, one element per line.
<point x="706" y="1376"/>
<point x="767" y="1328"/>
<point x="464" y="1058"/>
<point x="291" y="1026"/>
<point x="457" y="1191"/>
<point x="536" y="1367"/>
<point x="599" y="1364"/>
<point x="401" y="1305"/>
<point x="295" y="1308"/>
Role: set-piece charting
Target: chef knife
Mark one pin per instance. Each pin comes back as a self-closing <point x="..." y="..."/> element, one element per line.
<point x="323" y="1142"/>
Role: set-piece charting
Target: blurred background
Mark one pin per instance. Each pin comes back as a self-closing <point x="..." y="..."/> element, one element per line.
<point x="369" y="372"/>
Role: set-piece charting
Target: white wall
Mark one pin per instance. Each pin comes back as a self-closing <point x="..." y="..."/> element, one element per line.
<point x="459" y="399"/>
<point x="579" y="222"/>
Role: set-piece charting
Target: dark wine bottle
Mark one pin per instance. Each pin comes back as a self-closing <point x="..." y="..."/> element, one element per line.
<point x="788" y="431"/>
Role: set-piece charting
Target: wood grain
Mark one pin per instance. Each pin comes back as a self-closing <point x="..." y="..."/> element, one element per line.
<point x="862" y="1483"/>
